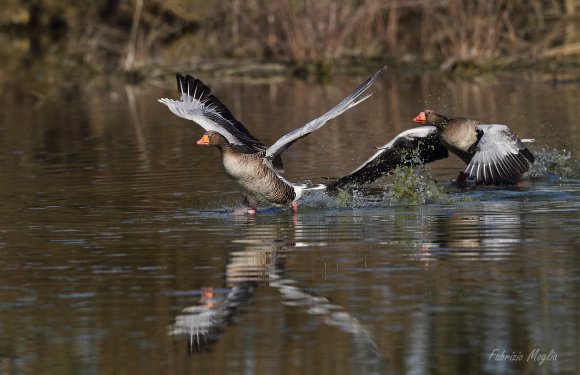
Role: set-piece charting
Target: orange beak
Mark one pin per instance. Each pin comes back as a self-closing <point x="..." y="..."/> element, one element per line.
<point x="204" y="140"/>
<point x="420" y="118"/>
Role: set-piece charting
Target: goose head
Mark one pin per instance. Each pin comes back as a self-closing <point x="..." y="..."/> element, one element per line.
<point x="429" y="117"/>
<point x="211" y="138"/>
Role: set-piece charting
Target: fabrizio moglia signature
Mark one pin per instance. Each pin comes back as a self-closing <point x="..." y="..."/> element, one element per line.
<point x="537" y="356"/>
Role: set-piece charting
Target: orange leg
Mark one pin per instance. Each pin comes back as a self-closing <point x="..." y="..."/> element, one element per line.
<point x="250" y="203"/>
<point x="248" y="211"/>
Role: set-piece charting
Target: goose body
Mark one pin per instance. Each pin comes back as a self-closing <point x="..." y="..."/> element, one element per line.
<point x="459" y="137"/>
<point x="254" y="167"/>
<point x="258" y="182"/>
<point x="493" y="153"/>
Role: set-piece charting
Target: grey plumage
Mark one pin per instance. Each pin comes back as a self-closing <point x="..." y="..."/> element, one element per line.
<point x="246" y="160"/>
<point x="415" y="146"/>
<point x="198" y="104"/>
<point x="493" y="153"/>
<point x="500" y="158"/>
<point x="350" y="101"/>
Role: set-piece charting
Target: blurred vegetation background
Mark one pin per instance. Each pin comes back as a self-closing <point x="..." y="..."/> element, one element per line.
<point x="140" y="38"/>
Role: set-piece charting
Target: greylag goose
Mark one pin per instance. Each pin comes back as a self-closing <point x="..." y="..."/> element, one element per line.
<point x="246" y="160"/>
<point x="492" y="152"/>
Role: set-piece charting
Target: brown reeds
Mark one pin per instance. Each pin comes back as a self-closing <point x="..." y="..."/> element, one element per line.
<point x="130" y="35"/>
<point x="312" y="30"/>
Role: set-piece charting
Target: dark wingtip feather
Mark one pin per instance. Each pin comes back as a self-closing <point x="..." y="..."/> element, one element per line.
<point x="404" y="152"/>
<point x="528" y="155"/>
<point x="194" y="87"/>
<point x="181" y="80"/>
<point x="190" y="85"/>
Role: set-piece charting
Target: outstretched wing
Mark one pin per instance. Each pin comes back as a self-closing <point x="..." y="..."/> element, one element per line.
<point x="350" y="101"/>
<point x="198" y="104"/>
<point x="500" y="158"/>
<point x="415" y="146"/>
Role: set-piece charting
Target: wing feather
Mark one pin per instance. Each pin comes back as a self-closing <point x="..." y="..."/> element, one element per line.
<point x="350" y="101"/>
<point x="501" y="150"/>
<point x="198" y="104"/>
<point x="415" y="146"/>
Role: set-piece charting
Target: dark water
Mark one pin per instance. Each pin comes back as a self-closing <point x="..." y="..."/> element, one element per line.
<point x="119" y="253"/>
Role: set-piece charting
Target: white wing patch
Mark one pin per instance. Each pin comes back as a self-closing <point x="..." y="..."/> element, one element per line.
<point x="498" y="159"/>
<point x="195" y="110"/>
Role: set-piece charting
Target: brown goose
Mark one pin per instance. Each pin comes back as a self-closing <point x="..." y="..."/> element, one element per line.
<point x="493" y="153"/>
<point x="253" y="166"/>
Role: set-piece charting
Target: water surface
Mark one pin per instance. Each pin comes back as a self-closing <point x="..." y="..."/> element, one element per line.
<point x="119" y="252"/>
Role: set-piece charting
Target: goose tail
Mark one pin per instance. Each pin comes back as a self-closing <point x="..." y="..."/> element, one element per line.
<point x="301" y="189"/>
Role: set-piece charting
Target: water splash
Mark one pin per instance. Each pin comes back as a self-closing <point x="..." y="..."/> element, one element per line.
<point x="554" y="162"/>
<point x="414" y="186"/>
<point x="407" y="185"/>
<point x="404" y="186"/>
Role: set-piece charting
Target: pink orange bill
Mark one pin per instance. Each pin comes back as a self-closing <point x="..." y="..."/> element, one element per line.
<point x="420" y="118"/>
<point x="204" y="140"/>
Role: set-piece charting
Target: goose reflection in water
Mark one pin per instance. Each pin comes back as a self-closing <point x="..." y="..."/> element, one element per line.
<point x="246" y="270"/>
<point x="262" y="264"/>
<point x="471" y="235"/>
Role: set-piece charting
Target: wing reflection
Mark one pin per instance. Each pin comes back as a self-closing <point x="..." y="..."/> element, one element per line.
<point x="487" y="234"/>
<point x="262" y="264"/>
<point x="332" y="314"/>
<point x="246" y="270"/>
